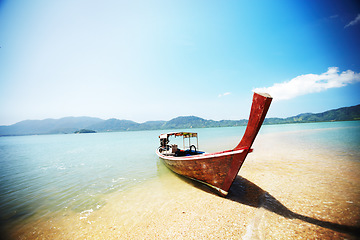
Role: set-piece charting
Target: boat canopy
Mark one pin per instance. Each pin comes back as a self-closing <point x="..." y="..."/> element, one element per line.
<point x="179" y="134"/>
<point x="164" y="138"/>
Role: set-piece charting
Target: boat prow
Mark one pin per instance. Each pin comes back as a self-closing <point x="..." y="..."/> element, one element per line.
<point x="217" y="170"/>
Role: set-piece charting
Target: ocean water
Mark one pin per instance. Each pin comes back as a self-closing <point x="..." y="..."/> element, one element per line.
<point x="47" y="174"/>
<point x="43" y="174"/>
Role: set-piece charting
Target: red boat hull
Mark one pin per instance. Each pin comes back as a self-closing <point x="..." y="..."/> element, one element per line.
<point x="218" y="170"/>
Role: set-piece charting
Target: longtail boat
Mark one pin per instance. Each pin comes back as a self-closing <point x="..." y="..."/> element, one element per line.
<point x="217" y="170"/>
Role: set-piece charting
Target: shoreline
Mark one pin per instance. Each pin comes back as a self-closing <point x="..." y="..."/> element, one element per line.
<point x="281" y="192"/>
<point x="172" y="129"/>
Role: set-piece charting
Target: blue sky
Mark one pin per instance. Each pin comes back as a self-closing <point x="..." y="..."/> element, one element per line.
<point x="156" y="60"/>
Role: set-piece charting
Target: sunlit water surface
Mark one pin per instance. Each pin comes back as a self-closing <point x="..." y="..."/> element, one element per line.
<point x="47" y="174"/>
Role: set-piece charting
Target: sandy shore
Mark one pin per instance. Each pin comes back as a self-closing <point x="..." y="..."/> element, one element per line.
<point x="282" y="192"/>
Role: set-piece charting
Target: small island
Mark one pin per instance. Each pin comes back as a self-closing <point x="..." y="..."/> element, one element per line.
<point x="84" y="131"/>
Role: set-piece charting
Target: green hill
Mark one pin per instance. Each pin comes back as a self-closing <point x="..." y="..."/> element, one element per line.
<point x="48" y="126"/>
<point x="73" y="124"/>
<point x="113" y="125"/>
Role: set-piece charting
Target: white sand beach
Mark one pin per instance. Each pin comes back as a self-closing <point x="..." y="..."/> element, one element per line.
<point x="283" y="191"/>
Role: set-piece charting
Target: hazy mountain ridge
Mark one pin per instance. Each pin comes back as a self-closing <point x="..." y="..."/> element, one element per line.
<point x="72" y="124"/>
<point x="48" y="126"/>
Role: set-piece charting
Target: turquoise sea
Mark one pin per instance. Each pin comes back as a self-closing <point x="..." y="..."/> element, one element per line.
<point x="43" y="175"/>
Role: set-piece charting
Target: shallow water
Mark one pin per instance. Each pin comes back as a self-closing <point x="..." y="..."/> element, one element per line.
<point x="55" y="175"/>
<point x="43" y="174"/>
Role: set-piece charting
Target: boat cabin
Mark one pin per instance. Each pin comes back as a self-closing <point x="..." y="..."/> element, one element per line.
<point x="188" y="149"/>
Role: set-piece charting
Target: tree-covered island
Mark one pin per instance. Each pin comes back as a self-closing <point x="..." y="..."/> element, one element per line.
<point x="85" y="131"/>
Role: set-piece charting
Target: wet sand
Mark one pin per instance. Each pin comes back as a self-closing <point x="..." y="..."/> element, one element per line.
<point x="283" y="191"/>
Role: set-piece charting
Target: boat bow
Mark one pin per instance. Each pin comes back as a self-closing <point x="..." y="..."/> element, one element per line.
<point x="218" y="170"/>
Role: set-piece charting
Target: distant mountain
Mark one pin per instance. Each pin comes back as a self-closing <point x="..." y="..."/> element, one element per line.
<point x="196" y="122"/>
<point x="152" y="125"/>
<point x="340" y="114"/>
<point x="48" y="126"/>
<point x="73" y="124"/>
<point x="186" y="122"/>
<point x="114" y="124"/>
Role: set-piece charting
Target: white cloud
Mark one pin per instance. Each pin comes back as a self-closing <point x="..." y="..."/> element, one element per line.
<point x="354" y="22"/>
<point x="311" y="83"/>
<point x="224" y="94"/>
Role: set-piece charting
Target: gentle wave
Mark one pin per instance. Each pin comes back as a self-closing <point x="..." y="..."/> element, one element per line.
<point x="41" y="175"/>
